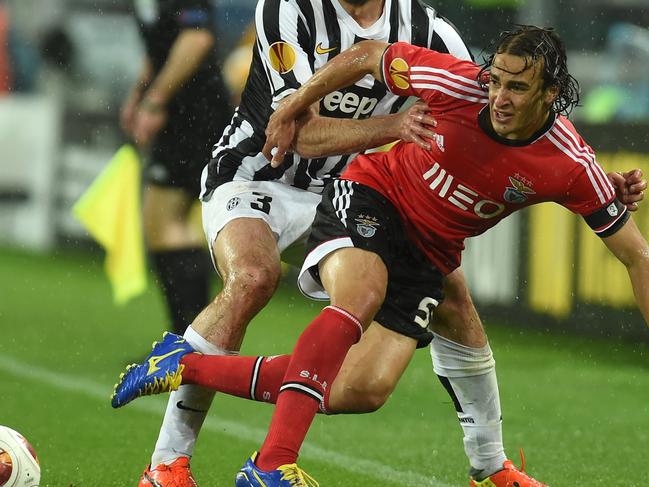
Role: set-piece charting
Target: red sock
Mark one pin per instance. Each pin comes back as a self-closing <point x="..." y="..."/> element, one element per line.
<point x="314" y="364"/>
<point x="256" y="378"/>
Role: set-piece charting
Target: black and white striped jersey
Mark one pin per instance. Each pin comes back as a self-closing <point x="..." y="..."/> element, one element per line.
<point x="294" y="39"/>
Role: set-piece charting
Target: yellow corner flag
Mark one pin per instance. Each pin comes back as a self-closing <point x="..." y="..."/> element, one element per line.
<point x="110" y="212"/>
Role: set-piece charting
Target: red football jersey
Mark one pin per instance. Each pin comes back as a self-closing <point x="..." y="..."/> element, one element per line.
<point x="473" y="178"/>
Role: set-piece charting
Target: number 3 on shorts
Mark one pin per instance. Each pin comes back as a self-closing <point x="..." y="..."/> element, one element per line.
<point x="262" y="203"/>
<point x="426" y="307"/>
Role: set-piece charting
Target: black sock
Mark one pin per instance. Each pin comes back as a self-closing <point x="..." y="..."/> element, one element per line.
<point x="184" y="276"/>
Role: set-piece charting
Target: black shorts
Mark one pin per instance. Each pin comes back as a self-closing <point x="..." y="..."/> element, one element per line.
<point x="184" y="146"/>
<point x="352" y="214"/>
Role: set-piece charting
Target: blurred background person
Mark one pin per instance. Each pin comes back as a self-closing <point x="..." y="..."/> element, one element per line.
<point x="175" y="110"/>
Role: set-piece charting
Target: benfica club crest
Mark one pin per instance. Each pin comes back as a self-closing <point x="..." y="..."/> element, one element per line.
<point x="518" y="191"/>
<point x="366" y="225"/>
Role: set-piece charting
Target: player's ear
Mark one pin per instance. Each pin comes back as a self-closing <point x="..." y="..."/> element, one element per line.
<point x="551" y="94"/>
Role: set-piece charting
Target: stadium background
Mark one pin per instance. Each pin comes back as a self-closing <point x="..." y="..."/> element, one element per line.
<point x="558" y="308"/>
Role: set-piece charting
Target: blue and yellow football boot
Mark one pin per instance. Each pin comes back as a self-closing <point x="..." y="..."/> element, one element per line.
<point x="160" y="372"/>
<point x="285" y="476"/>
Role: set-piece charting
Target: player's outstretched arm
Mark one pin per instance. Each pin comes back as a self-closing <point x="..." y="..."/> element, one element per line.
<point x="631" y="248"/>
<point x="321" y="136"/>
<point x="345" y="69"/>
<point x="629" y="187"/>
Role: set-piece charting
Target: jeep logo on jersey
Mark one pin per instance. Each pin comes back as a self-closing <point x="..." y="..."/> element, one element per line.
<point x="282" y="57"/>
<point x="349" y="103"/>
<point x="444" y="185"/>
<point x="399" y="73"/>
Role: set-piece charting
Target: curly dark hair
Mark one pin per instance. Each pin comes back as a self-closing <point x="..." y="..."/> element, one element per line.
<point x="538" y="43"/>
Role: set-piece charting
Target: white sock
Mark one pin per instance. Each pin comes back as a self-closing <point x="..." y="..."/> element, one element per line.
<point x="470" y="373"/>
<point x="186" y="410"/>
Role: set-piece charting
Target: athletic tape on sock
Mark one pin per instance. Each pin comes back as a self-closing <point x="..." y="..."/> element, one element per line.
<point x="201" y="345"/>
<point x="451" y="359"/>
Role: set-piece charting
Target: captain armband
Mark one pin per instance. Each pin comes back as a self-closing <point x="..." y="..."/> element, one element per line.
<point x="609" y="219"/>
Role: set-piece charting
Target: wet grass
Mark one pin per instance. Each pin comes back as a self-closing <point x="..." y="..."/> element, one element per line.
<point x="577" y="405"/>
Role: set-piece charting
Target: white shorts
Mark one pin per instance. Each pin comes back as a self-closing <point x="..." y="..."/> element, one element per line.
<point x="287" y="210"/>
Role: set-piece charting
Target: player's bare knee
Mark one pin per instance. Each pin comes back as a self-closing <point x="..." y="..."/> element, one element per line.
<point x="363" y="305"/>
<point x="370" y="396"/>
<point x="374" y="401"/>
<point x="254" y="283"/>
<point x="366" y="391"/>
<point x="373" y="299"/>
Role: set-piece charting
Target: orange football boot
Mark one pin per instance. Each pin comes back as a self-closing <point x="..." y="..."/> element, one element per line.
<point x="509" y="476"/>
<point x="176" y="474"/>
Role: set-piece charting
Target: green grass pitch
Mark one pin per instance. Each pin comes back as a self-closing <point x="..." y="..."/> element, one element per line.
<point x="579" y="407"/>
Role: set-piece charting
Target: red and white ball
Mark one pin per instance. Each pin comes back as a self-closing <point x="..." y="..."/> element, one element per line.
<point x="19" y="465"/>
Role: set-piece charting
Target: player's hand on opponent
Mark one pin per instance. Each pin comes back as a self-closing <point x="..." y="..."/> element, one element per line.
<point x="280" y="132"/>
<point x="416" y="125"/>
<point x="150" y="118"/>
<point x="629" y="187"/>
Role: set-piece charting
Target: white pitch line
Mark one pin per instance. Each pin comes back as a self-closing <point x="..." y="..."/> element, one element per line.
<point x="234" y="429"/>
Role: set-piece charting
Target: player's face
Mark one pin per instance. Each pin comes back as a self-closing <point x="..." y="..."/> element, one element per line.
<point x="357" y="2"/>
<point x="518" y="104"/>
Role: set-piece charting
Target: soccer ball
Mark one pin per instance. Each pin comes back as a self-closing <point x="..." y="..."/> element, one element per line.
<point x="18" y="463"/>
